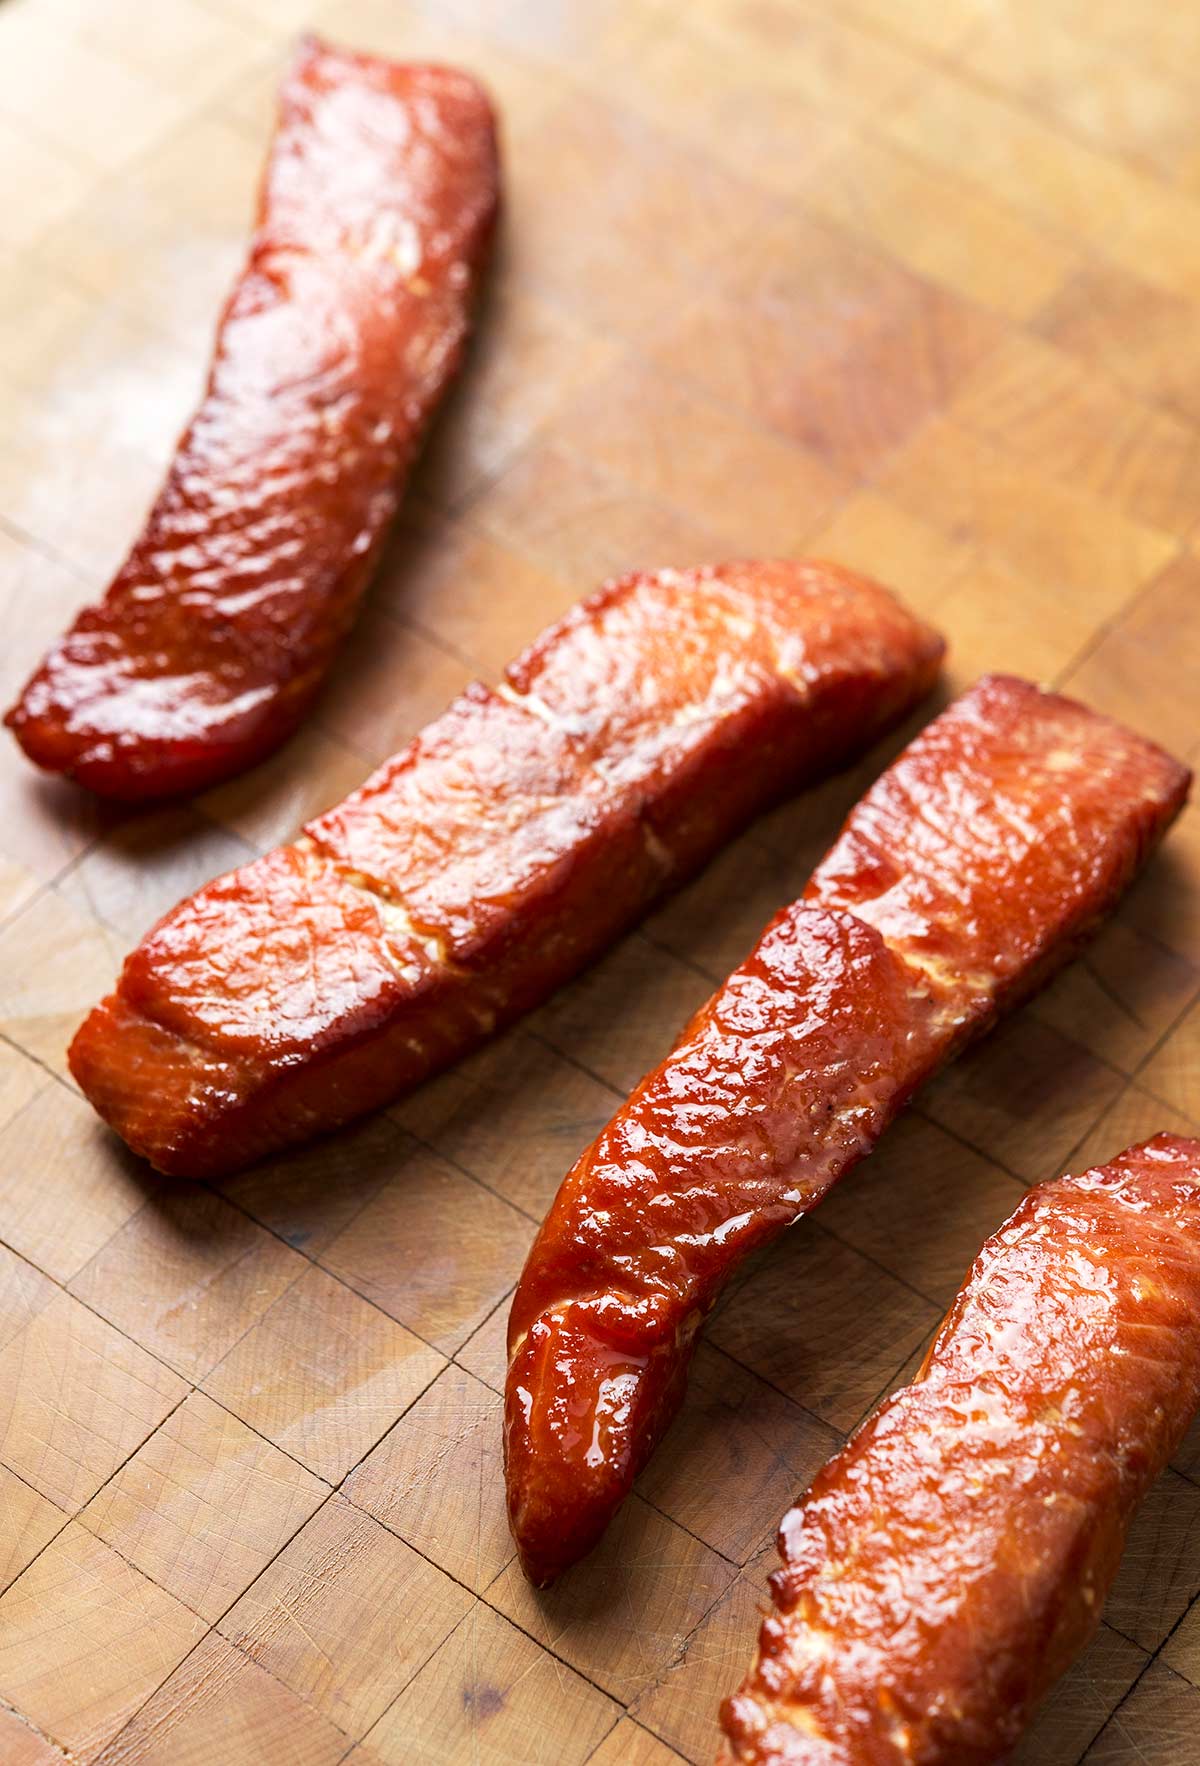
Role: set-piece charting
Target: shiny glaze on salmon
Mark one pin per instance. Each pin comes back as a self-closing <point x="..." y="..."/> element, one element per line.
<point x="519" y="834"/>
<point x="972" y="868"/>
<point x="947" y="1566"/>
<point x="337" y="343"/>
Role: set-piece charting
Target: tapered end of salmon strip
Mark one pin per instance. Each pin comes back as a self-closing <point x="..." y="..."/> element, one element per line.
<point x="573" y="1448"/>
<point x="93" y="713"/>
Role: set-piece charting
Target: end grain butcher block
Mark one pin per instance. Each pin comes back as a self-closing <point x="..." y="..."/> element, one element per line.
<point x="913" y="285"/>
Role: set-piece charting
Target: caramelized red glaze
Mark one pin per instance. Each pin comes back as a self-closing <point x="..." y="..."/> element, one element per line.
<point x="971" y="869"/>
<point x="333" y="351"/>
<point x="518" y="835"/>
<point x="947" y="1566"/>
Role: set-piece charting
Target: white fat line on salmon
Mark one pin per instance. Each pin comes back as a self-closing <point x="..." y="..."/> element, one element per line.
<point x="397" y="920"/>
<point x="538" y="708"/>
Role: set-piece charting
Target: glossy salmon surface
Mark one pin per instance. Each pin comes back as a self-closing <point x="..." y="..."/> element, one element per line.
<point x="517" y="836"/>
<point x="335" y="347"/>
<point x="947" y="1566"/>
<point x="973" y="867"/>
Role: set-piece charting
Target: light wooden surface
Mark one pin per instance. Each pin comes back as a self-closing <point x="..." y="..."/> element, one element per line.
<point x="909" y="282"/>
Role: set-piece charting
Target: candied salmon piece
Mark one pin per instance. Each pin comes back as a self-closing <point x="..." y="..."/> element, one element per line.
<point x="498" y="837"/>
<point x="336" y="345"/>
<point x="972" y="869"/>
<point x="673" y="713"/>
<point x="971" y="853"/>
<point x="952" y="1560"/>
<point x="239" y="1021"/>
<point x="517" y="836"/>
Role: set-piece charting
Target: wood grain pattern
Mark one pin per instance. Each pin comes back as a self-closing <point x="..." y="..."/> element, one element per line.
<point x="911" y="283"/>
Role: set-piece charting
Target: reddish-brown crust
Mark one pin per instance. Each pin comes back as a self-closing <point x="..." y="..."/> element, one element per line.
<point x="972" y="868"/>
<point x="948" y="1565"/>
<point x="519" y="834"/>
<point x="333" y="351"/>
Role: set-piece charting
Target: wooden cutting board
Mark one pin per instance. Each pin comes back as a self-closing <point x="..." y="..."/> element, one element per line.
<point x="912" y="283"/>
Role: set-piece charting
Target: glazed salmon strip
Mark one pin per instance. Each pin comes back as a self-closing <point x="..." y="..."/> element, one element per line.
<point x="337" y="343"/>
<point x="948" y="1565"/>
<point x="971" y="870"/>
<point x="518" y="835"/>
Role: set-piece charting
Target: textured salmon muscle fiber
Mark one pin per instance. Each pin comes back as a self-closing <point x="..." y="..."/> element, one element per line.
<point x="949" y="1564"/>
<point x="335" y="347"/>
<point x="516" y="837"/>
<point x="969" y="872"/>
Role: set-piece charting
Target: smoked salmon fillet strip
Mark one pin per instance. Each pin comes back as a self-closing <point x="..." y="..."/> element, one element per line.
<point x="518" y="835"/>
<point x="971" y="870"/>
<point x="951" y="1561"/>
<point x="342" y="333"/>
